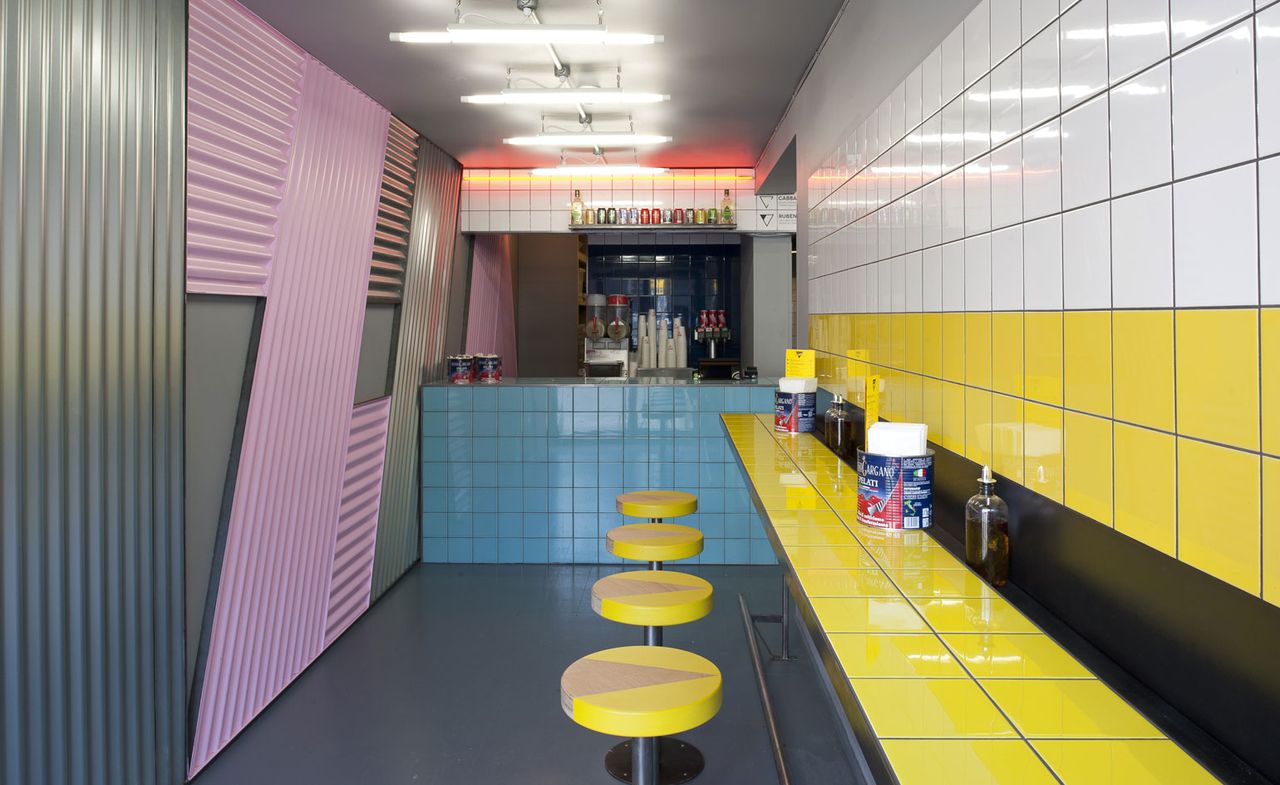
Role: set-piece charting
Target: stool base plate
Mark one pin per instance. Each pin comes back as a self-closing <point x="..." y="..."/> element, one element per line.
<point x="678" y="761"/>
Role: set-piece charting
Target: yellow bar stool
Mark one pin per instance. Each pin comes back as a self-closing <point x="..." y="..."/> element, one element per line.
<point x="652" y="599"/>
<point x="646" y="693"/>
<point x="655" y="542"/>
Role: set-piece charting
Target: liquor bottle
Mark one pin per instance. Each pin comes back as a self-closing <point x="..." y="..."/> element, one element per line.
<point x="726" y="208"/>
<point x="986" y="532"/>
<point x="837" y="427"/>
<point x="575" y="209"/>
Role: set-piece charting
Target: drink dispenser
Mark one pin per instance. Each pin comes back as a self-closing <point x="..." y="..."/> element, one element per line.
<point x="597" y="322"/>
<point x="619" y="314"/>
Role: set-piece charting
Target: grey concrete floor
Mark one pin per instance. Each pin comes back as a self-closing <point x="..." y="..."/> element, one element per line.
<point x="453" y="679"/>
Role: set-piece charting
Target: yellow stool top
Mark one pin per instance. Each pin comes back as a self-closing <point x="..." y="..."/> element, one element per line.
<point x="654" y="541"/>
<point x="651" y="598"/>
<point x="641" y="691"/>
<point x="657" y="504"/>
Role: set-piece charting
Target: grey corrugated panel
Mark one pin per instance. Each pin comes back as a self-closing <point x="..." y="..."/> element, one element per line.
<point x="91" y="310"/>
<point x="420" y="350"/>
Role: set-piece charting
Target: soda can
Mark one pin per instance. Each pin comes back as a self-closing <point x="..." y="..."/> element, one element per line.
<point x="712" y="217"/>
<point x="461" y="369"/>
<point x="678" y="216"/>
<point x="666" y="216"/>
<point x="700" y="216"/>
<point x="488" y="368"/>
<point x="645" y="215"/>
<point x="635" y="215"/>
<point x="612" y="216"/>
<point x="601" y="215"/>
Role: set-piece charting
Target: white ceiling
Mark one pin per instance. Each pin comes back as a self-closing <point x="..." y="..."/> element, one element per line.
<point x="730" y="67"/>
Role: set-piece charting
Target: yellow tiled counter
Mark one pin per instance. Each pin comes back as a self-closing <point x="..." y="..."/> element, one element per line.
<point x="950" y="683"/>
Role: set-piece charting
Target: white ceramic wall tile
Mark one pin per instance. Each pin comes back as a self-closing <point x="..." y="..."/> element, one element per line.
<point x="499" y="200"/>
<point x="931" y="148"/>
<point x="1083" y="52"/>
<point x="521" y="220"/>
<point x="1006" y="100"/>
<point x="1086" y="257"/>
<point x="898" y="112"/>
<point x="931" y="83"/>
<point x="1142" y="249"/>
<point x="953" y="276"/>
<point x="1006" y="28"/>
<point x="953" y="206"/>
<point x="1213" y="103"/>
<point x="871" y="285"/>
<point x="898" y="287"/>
<point x="913" y="282"/>
<point x="1042" y="172"/>
<point x="1036" y="14"/>
<point x="1141" y="132"/>
<point x="1268" y="31"/>
<point x="1006" y="269"/>
<point x="1040" y="85"/>
<point x="977" y="273"/>
<point x="931" y="270"/>
<point x="884" y="271"/>
<point x="499" y="220"/>
<point x="931" y="213"/>
<point x="1138" y="36"/>
<point x="953" y="64"/>
<point x="912" y="97"/>
<point x="977" y="119"/>
<point x="977" y="197"/>
<point x="913" y="161"/>
<point x="953" y="135"/>
<point x="1085" y="154"/>
<point x="1269" y="206"/>
<point x="1216" y="239"/>
<point x="1006" y="184"/>
<point x="1042" y="264"/>
<point x="884" y="127"/>
<point x="977" y="42"/>
<point x="1193" y="20"/>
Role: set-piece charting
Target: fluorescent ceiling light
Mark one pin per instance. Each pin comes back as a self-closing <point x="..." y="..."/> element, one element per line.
<point x="586" y="140"/>
<point x="525" y="34"/>
<point x="601" y="170"/>
<point x="556" y="96"/>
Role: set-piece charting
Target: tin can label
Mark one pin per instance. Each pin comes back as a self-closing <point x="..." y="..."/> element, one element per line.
<point x="461" y="369"/>
<point x="895" y="493"/>
<point x="488" y="368"/>
<point x="794" y="412"/>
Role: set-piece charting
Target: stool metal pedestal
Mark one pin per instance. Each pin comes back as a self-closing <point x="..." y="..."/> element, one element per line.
<point x="671" y="761"/>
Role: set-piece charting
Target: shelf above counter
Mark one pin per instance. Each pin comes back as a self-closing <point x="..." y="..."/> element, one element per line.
<point x="655" y="228"/>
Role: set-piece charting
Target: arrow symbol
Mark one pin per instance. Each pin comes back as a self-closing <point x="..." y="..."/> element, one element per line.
<point x="767" y="218"/>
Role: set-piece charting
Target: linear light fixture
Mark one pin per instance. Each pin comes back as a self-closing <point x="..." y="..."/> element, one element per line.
<point x="587" y="140"/>
<point x="561" y="96"/>
<point x="525" y="34"/>
<point x="597" y="170"/>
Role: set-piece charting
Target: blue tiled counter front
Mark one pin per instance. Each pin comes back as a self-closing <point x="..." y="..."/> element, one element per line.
<point x="529" y="474"/>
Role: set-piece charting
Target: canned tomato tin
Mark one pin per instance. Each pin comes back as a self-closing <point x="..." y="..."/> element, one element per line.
<point x="461" y="369"/>
<point x="895" y="493"/>
<point x="488" y="368"/>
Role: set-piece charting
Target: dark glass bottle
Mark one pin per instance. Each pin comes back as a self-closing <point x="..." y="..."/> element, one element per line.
<point x="837" y="427"/>
<point x="986" y="532"/>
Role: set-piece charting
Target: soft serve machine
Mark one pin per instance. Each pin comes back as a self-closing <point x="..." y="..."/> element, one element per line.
<point x="607" y="336"/>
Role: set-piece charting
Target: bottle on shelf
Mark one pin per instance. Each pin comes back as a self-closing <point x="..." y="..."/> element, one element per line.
<point x="726" y="209"/>
<point x="837" y="427"/>
<point x="575" y="209"/>
<point x="986" y="532"/>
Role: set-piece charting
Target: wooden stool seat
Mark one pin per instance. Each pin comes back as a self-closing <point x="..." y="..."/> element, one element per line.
<point x="657" y="504"/>
<point x="651" y="598"/>
<point x="641" y="691"/>
<point x="654" y="542"/>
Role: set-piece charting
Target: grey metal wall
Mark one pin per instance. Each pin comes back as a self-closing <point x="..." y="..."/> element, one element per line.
<point x="419" y="350"/>
<point x="91" y="308"/>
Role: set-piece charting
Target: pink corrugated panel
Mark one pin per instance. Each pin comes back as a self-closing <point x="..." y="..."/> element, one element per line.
<point x="491" y="314"/>
<point x="352" y="571"/>
<point x="273" y="594"/>
<point x="244" y="84"/>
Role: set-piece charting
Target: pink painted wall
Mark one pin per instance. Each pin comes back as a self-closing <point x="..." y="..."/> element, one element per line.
<point x="491" y="313"/>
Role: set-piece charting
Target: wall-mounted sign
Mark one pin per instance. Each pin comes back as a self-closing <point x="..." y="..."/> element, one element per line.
<point x="776" y="213"/>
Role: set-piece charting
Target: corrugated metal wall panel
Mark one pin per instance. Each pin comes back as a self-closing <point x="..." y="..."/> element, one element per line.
<point x="420" y="353"/>
<point x="357" y="516"/>
<point x="245" y="82"/>
<point x="491" y="314"/>
<point x="272" y="603"/>
<point x="91" y="310"/>
<point x="395" y="208"/>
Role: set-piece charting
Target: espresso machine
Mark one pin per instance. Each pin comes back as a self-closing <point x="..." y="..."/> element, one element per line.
<point x="606" y="336"/>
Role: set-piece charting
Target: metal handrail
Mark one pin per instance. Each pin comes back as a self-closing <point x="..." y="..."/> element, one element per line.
<point x="783" y="777"/>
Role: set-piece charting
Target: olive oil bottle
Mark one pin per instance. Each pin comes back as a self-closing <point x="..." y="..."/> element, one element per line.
<point x="986" y="532"/>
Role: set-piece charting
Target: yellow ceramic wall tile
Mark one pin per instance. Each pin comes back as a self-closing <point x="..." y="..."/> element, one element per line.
<point x="919" y="656"/>
<point x="977" y="419"/>
<point x="912" y="397"/>
<point x="1042" y="443"/>
<point x="891" y="558"/>
<point x="1006" y="437"/>
<point x="1069" y="709"/>
<point x="1042" y="352"/>
<point x="1218" y="375"/>
<point x="931" y="344"/>
<point x="930" y="708"/>
<point x="1146" y="477"/>
<point x="953" y="347"/>
<point x="1271" y="530"/>
<point x="823" y="536"/>
<point x="977" y="350"/>
<point x="867" y="614"/>
<point x="1001" y="656"/>
<point x="1143" y="367"/>
<point x="1122" y="762"/>
<point x="1086" y="466"/>
<point x="953" y="417"/>
<point x="967" y="761"/>
<point x="1271" y="380"/>
<point x="1006" y="353"/>
<point x="1219" y="512"/>
<point x="846" y="583"/>
<point x="931" y="399"/>
<point x="1086" y="361"/>
<point x="992" y="614"/>
<point x="820" y="557"/>
<point x="884" y="340"/>
<point x="913" y="326"/>
<point x="924" y="583"/>
<point x="898" y="340"/>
